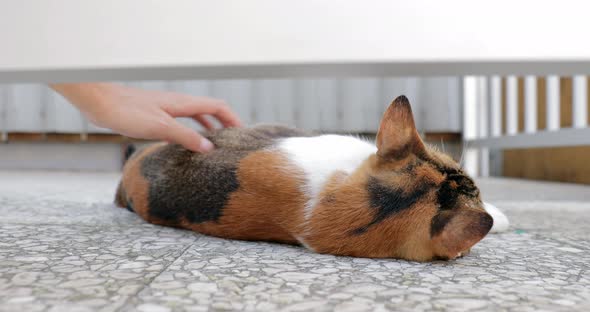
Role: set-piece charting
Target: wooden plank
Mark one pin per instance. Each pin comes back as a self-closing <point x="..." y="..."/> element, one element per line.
<point x="541" y="103"/>
<point x="26" y="136"/>
<point x="565" y="108"/>
<point x="115" y="138"/>
<point x="70" y="138"/>
<point x="565" y="164"/>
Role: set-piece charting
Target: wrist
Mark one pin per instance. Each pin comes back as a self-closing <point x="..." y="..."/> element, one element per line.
<point x="92" y="99"/>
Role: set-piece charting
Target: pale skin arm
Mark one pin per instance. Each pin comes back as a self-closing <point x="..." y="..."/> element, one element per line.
<point x="147" y="114"/>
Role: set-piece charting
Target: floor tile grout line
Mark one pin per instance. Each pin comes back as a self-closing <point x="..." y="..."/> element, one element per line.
<point x="182" y="253"/>
<point x="577" y="246"/>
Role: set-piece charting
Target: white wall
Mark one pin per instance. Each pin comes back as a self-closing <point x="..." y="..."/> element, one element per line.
<point x="138" y="39"/>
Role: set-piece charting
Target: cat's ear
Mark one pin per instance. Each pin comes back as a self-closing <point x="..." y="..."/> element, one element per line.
<point x="397" y="136"/>
<point x="453" y="232"/>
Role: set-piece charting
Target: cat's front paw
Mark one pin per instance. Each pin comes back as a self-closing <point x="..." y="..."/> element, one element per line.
<point x="501" y="222"/>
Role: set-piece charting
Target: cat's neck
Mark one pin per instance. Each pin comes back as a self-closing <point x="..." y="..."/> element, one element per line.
<point x="322" y="156"/>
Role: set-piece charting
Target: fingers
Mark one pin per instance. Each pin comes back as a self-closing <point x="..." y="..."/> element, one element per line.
<point x="188" y="106"/>
<point x="188" y="138"/>
<point x="226" y="116"/>
<point x="204" y="122"/>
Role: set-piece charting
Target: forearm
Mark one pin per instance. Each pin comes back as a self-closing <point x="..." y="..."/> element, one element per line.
<point x="147" y="114"/>
<point x="90" y="98"/>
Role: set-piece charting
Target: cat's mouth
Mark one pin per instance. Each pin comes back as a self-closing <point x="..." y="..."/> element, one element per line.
<point x="463" y="253"/>
<point x="457" y="256"/>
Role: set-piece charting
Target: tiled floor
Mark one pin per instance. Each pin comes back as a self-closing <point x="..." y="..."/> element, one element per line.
<point x="63" y="247"/>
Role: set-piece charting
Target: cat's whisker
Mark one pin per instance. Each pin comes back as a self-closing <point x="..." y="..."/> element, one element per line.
<point x="463" y="154"/>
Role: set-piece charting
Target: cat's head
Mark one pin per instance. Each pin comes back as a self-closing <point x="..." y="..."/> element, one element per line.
<point x="434" y="207"/>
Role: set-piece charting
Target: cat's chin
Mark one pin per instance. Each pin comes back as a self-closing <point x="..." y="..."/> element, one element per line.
<point x="456" y="256"/>
<point x="463" y="254"/>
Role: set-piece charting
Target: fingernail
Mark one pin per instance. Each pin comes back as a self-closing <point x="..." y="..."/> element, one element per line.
<point x="205" y="145"/>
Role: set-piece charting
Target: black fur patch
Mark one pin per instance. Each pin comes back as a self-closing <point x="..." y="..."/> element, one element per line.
<point x="120" y="196"/>
<point x="447" y="196"/>
<point x="130" y="205"/>
<point x="466" y="185"/>
<point x="388" y="201"/>
<point x="456" y="183"/>
<point x="129" y="150"/>
<point x="439" y="222"/>
<point x="485" y="224"/>
<point x="184" y="185"/>
<point x="196" y="187"/>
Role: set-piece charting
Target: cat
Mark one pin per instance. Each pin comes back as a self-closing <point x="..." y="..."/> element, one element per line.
<point x="340" y="195"/>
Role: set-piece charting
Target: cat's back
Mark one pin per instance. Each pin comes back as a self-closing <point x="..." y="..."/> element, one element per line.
<point x="171" y="161"/>
<point x="171" y="185"/>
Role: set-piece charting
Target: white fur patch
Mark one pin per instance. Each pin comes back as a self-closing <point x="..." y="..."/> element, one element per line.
<point x="501" y="223"/>
<point x="319" y="157"/>
<point x="303" y="243"/>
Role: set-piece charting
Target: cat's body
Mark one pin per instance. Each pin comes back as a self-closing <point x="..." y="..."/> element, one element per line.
<point x="332" y="194"/>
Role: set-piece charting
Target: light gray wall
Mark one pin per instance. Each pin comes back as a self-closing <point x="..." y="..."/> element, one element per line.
<point x="61" y="156"/>
<point x="339" y="105"/>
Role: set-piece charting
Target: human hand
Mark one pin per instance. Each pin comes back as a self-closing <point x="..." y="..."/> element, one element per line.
<point x="148" y="114"/>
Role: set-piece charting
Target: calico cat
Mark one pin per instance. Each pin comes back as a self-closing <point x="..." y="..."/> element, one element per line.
<point x="332" y="194"/>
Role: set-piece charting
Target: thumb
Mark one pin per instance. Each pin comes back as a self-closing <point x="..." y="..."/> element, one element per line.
<point x="189" y="138"/>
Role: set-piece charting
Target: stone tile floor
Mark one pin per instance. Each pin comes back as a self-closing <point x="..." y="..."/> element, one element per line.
<point x="64" y="247"/>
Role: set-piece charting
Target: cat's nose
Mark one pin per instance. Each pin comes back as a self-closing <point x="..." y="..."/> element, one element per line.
<point x="464" y="230"/>
<point x="485" y="224"/>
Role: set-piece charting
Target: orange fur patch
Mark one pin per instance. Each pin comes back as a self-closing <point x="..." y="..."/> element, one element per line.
<point x="268" y="204"/>
<point x="136" y="186"/>
<point x="344" y="206"/>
